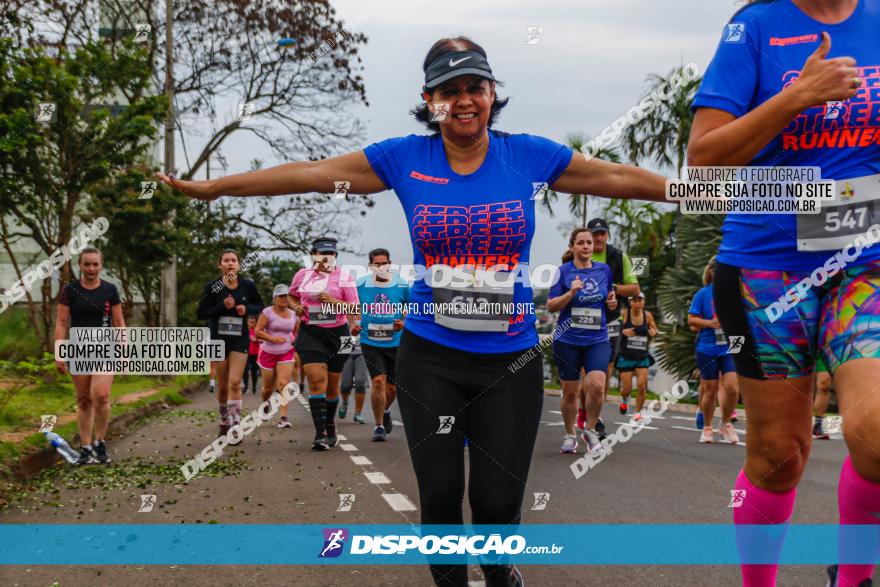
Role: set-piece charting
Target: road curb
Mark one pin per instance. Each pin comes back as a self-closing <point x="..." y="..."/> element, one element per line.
<point x="34" y="463"/>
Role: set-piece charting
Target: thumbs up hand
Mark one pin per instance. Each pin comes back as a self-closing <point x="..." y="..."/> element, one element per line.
<point x="822" y="80"/>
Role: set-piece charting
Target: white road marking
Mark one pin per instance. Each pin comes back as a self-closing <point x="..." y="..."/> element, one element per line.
<point x="348" y="447"/>
<point x="376" y="477"/>
<point x="634" y="425"/>
<point x="399" y="502"/>
<point x="697" y="429"/>
<point x="396" y="423"/>
<point x="685" y="428"/>
<point x="555" y="412"/>
<point x="359" y="460"/>
<point x="553" y="423"/>
<point x="341" y="437"/>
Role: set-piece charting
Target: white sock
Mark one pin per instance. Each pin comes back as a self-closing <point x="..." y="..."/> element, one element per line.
<point x="212" y="383"/>
<point x="388" y="411"/>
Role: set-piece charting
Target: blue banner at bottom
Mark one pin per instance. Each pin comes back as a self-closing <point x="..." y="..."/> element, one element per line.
<point x="248" y="544"/>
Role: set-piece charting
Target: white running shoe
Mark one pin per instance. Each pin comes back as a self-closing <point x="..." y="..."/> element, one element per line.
<point x="569" y="444"/>
<point x="594" y="446"/>
<point x="706" y="436"/>
<point x="729" y="434"/>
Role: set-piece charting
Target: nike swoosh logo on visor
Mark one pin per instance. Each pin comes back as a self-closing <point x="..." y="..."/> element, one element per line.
<point x="454" y="63"/>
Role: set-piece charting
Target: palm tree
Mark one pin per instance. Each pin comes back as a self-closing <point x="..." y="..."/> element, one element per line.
<point x="698" y="238"/>
<point x="579" y="204"/>
<point x="661" y="136"/>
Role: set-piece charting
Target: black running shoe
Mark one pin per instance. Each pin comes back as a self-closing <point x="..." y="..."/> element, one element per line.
<point x="600" y="429"/>
<point x="224" y="428"/>
<point x="320" y="443"/>
<point x="331" y="435"/>
<point x="386" y="422"/>
<point x="101" y="452"/>
<point x="86" y="456"/>
<point x="818" y="432"/>
<point x="506" y="575"/>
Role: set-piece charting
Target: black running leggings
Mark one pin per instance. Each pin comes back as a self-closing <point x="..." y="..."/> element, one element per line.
<point x="496" y="409"/>
<point x="252" y="372"/>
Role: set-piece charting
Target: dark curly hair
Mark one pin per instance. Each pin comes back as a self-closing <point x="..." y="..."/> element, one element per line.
<point x="439" y="49"/>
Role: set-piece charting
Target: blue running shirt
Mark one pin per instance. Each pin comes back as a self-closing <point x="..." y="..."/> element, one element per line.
<point x="484" y="219"/>
<point x="709" y="340"/>
<point x="381" y="305"/>
<point x="588" y="325"/>
<point x="762" y="50"/>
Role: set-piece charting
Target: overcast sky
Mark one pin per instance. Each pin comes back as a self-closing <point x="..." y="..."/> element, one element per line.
<point x="588" y="69"/>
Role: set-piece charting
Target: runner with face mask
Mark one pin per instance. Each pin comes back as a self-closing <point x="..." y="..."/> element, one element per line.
<point x="384" y="296"/>
<point x="325" y="298"/>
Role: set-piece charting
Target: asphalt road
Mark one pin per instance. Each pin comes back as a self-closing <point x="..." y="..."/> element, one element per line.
<point x="662" y="475"/>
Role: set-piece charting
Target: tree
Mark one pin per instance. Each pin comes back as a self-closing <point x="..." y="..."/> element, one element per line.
<point x="49" y="169"/>
<point x="226" y="54"/>
<point x="661" y="138"/>
<point x="661" y="134"/>
<point x="698" y="237"/>
<point x="578" y="204"/>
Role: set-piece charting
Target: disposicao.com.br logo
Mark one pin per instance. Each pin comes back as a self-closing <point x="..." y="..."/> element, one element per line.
<point x="449" y="544"/>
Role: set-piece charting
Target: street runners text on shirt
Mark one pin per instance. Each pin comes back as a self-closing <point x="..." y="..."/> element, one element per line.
<point x="429" y="308"/>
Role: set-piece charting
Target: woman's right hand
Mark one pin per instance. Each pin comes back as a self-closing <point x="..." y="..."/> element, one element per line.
<point x="297" y="308"/>
<point x="200" y="190"/>
<point x="229" y="301"/>
<point x="61" y="366"/>
<point x="628" y="332"/>
<point x="823" y="80"/>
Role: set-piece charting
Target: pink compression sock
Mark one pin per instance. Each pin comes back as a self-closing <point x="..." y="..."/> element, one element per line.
<point x="858" y="501"/>
<point x="760" y="506"/>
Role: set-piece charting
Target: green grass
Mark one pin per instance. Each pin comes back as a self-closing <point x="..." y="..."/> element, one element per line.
<point x="25" y="410"/>
<point x="17" y="338"/>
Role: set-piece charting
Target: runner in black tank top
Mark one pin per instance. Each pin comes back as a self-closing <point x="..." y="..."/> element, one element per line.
<point x="90" y="302"/>
<point x="637" y="326"/>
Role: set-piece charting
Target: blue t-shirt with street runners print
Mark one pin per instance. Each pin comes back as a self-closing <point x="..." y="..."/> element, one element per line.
<point x="709" y="340"/>
<point x="762" y="51"/>
<point x="582" y="322"/>
<point x="381" y="304"/>
<point x="485" y="219"/>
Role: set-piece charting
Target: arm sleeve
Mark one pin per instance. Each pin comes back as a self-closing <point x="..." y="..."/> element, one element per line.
<point x="209" y="306"/>
<point x="114" y="296"/>
<point x="294" y="285"/>
<point x="628" y="277"/>
<point x="64" y="298"/>
<point x="558" y="288"/>
<point x="257" y="305"/>
<point x="695" y="308"/>
<point x="548" y="159"/>
<point x="387" y="158"/>
<point x="731" y="79"/>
